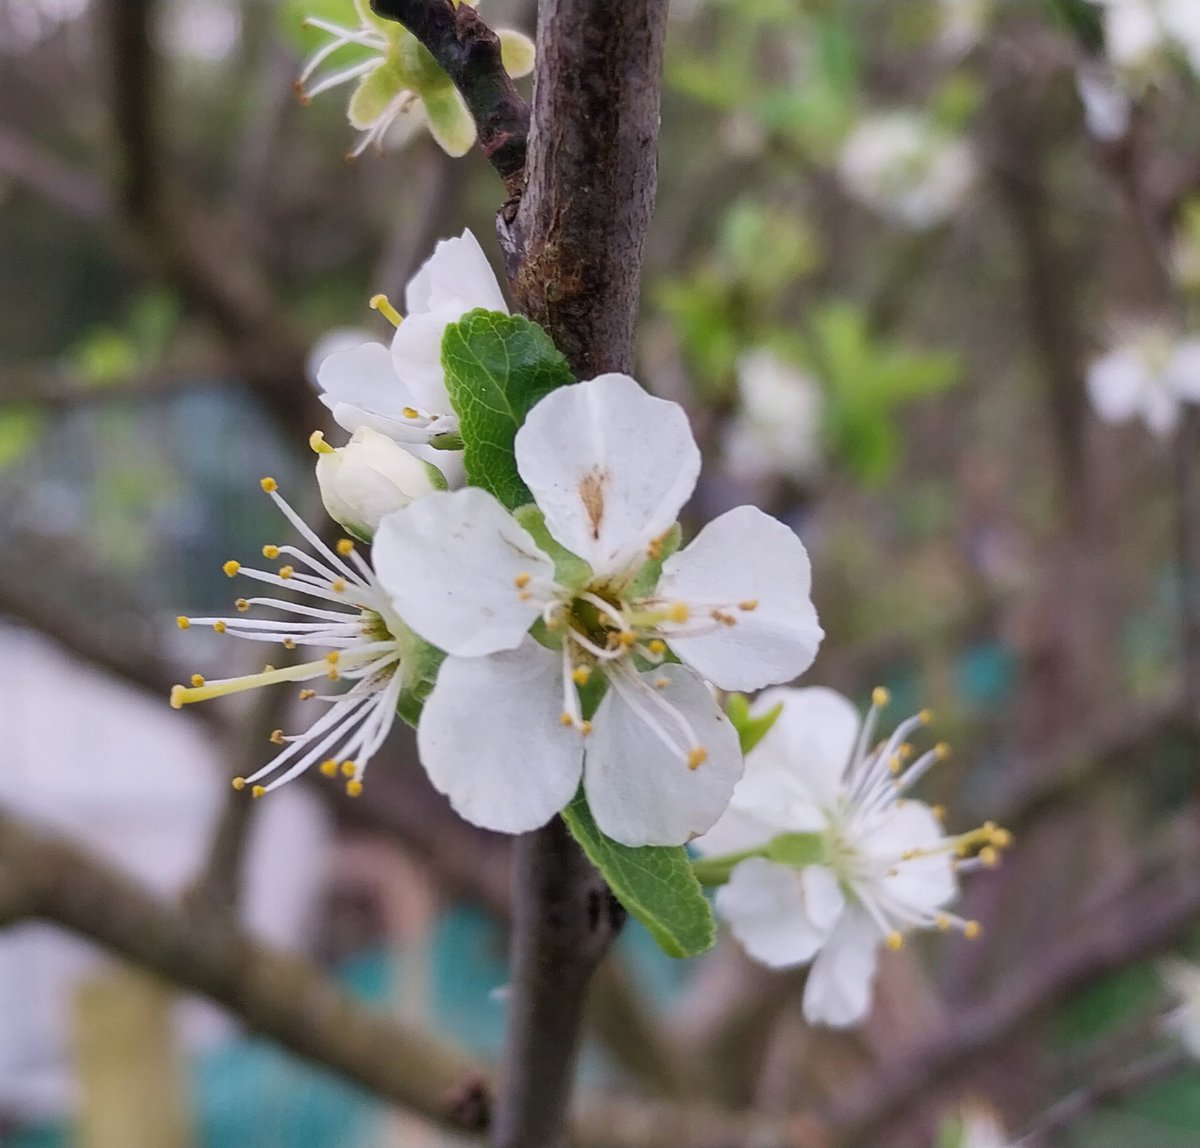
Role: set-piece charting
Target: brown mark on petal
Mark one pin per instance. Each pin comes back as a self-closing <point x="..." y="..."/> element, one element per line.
<point x="591" y="491"/>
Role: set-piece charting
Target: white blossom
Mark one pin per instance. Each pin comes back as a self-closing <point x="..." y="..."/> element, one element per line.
<point x="962" y="24"/>
<point x="831" y="856"/>
<point x="503" y="733"/>
<point x="776" y="428"/>
<point x="398" y="86"/>
<point x="347" y="615"/>
<point x="1183" y="979"/>
<point x="981" y="1129"/>
<point x="1150" y="376"/>
<point x="905" y="168"/>
<point x="1107" y="106"/>
<point x="369" y="477"/>
<point x="1136" y="31"/>
<point x="401" y="391"/>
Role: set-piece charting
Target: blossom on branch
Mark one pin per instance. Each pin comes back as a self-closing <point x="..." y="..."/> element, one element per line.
<point x="829" y="855"/>
<point x="1149" y="377"/>
<point x="401" y="391"/>
<point x="399" y="84"/>
<point x="580" y="594"/>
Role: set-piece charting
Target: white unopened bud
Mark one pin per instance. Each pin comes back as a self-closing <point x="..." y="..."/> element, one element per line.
<point x="369" y="477"/>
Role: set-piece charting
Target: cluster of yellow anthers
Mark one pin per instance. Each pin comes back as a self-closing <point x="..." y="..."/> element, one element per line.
<point x="346" y="613"/>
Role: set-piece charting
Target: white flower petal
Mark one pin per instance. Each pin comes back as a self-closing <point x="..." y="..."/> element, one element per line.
<point x="450" y="563"/>
<point x="417" y="357"/>
<point x="361" y="388"/>
<point x="736" y="831"/>
<point x="838" y="991"/>
<point x="457" y="274"/>
<point x="610" y="466"/>
<point x="744" y="555"/>
<point x="797" y="768"/>
<point x="921" y="884"/>
<point x="1117" y="384"/>
<point x="491" y="740"/>
<point x="770" y="907"/>
<point x="640" y="790"/>
<point x="1183" y="371"/>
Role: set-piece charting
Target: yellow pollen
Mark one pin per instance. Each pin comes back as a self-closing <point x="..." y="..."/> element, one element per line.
<point x="333" y="675"/>
<point x="524" y="595"/>
<point x="1002" y="838"/>
<point x="566" y="718"/>
<point x="333" y="657"/>
<point x="268" y="668"/>
<point x="257" y="791"/>
<point x="177" y="693"/>
<point x="678" y="612"/>
<point x="894" y="763"/>
<point x="345" y="547"/>
<point x="941" y="751"/>
<point x="231" y="568"/>
<point x="317" y="443"/>
<point x="585" y="728"/>
<point x="942" y="922"/>
<point x="348" y="768"/>
<point x="270" y="552"/>
<point x="307" y="695"/>
<point x="411" y="413"/>
<point x="276" y="737"/>
<point x="522" y="580"/>
<point x="339" y="585"/>
<point x="905" y="751"/>
<point x="289" y="643"/>
<point x="329" y="767"/>
<point x="972" y="929"/>
<point x="748" y="604"/>
<point x="239" y="783"/>
<point x="627" y="638"/>
<point x="383" y="305"/>
<point x="655" y="548"/>
<point x="183" y="622"/>
<point x="354" y="788"/>
<point x="580" y="675"/>
<point x="242" y="605"/>
<point x="939" y="812"/>
<point x="895" y="941"/>
<point x="661" y="683"/>
<point x="197" y="680"/>
<point x="657" y="647"/>
<point x="697" y="757"/>
<point x="285" y="572"/>
<point x="925" y="717"/>
<point x="989" y="856"/>
<point x="880" y="697"/>
<point x="269" y="485"/>
<point x="220" y="627"/>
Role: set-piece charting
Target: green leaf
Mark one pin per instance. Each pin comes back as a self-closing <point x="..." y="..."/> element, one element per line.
<point x="20" y="427"/>
<point x="497" y="368"/>
<point x="751" y="728"/>
<point x="655" y="883"/>
<point x="569" y="569"/>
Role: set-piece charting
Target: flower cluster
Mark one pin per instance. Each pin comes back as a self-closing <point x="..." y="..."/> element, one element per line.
<point x="1150" y="376"/>
<point x="830" y="855"/>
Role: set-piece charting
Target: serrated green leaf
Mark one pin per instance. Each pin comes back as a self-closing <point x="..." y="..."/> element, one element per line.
<point x="497" y="368"/>
<point x="655" y="884"/>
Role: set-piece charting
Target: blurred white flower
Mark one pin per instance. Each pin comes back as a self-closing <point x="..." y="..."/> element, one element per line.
<point x="369" y="477"/>
<point x="1135" y="31"/>
<point x="907" y="169"/>
<point x="981" y="1129"/>
<point x="1183" y="979"/>
<point x="338" y="339"/>
<point x="962" y="25"/>
<point x="1150" y="376"/>
<point x="776" y="428"/>
<point x="831" y="856"/>
<point x="1107" y="106"/>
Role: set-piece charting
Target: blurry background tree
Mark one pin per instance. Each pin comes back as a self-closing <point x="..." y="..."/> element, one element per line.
<point x="890" y="242"/>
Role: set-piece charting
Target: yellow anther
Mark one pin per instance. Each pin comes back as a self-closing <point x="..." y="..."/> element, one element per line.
<point x="220" y="627"/>
<point x="880" y="697"/>
<point x="655" y="549"/>
<point x="410" y="413"/>
<point x="354" y="788"/>
<point x="338" y="585"/>
<point x="1002" y="838"/>
<point x="522" y="580"/>
<point x="329" y="767"/>
<point x="627" y="638"/>
<point x="271" y="552"/>
<point x="257" y="791"/>
<point x="345" y="547"/>
<point x="239" y="783"/>
<point x="748" y="604"/>
<point x="925" y="717"/>
<point x="197" y="680"/>
<point x="177" y="693"/>
<point x="678" y="612"/>
<point x="657" y="647"/>
<point x="939" y="812"/>
<point x="307" y="695"/>
<point x="276" y="737"/>
<point x="317" y="443"/>
<point x="580" y="675"/>
<point x="183" y="622"/>
<point x="989" y="856"/>
<point x="382" y="304"/>
<point x="566" y="718"/>
<point x="242" y="605"/>
<point x="943" y="922"/>
<point x="269" y="485"/>
<point x="285" y="572"/>
<point x="894" y="764"/>
<point x="941" y="750"/>
<point x="231" y="568"/>
<point x="524" y="595"/>
<point x="333" y="674"/>
<point x="333" y="657"/>
<point x="289" y="643"/>
<point x="585" y="728"/>
<point x="697" y="757"/>
<point x="905" y="751"/>
<point x="268" y="668"/>
<point x="894" y="941"/>
<point x="972" y="929"/>
<point x="349" y="768"/>
<point x="662" y="683"/>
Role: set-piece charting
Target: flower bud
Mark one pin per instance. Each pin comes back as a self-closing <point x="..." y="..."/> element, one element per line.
<point x="369" y="477"/>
